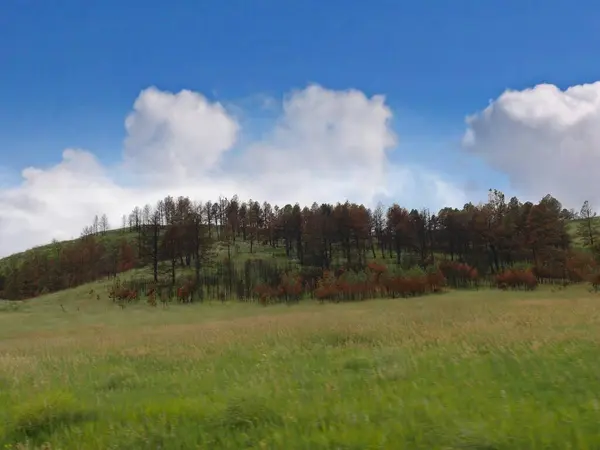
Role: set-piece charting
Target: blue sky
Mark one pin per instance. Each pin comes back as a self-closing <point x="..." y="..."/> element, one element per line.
<point x="71" y="70"/>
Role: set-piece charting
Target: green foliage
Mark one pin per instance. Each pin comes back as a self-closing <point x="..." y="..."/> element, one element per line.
<point x="42" y="416"/>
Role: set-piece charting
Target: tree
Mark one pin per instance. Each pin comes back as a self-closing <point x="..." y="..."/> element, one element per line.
<point x="127" y="257"/>
<point x="2" y="282"/>
<point x="150" y="239"/>
<point x="96" y="224"/>
<point x="198" y="242"/>
<point x="337" y="238"/>
<point x="104" y="226"/>
<point x="587" y="226"/>
<point x="170" y="248"/>
<point x="378" y="226"/>
<point x="87" y="231"/>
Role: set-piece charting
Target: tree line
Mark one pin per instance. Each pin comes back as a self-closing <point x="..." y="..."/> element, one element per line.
<point x="327" y="251"/>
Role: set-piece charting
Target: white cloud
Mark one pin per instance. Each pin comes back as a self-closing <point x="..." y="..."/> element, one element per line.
<point x="545" y="139"/>
<point x="327" y="146"/>
<point x="177" y="135"/>
<point x="339" y="130"/>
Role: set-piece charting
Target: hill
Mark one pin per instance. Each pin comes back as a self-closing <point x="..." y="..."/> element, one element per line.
<point x="572" y="227"/>
<point x="241" y="250"/>
<point x="248" y="250"/>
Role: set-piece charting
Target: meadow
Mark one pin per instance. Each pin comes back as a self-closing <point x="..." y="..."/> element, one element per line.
<point x="459" y="370"/>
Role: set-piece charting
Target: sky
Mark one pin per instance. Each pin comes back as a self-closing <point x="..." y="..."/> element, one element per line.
<point x="105" y="105"/>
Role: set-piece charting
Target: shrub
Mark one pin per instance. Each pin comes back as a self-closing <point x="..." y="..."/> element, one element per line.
<point x="459" y="275"/>
<point x="119" y="292"/>
<point x="516" y="279"/>
<point x="595" y="280"/>
<point x="581" y="266"/>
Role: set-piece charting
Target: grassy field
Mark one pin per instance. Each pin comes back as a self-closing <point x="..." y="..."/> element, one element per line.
<point x="461" y="370"/>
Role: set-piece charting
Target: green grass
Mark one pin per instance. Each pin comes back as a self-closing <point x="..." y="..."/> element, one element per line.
<point x="462" y="370"/>
<point x="240" y="250"/>
<point x="109" y="239"/>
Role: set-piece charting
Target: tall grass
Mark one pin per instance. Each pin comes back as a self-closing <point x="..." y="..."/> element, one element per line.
<point x="463" y="370"/>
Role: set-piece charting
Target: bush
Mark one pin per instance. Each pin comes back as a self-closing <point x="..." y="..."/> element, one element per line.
<point x="459" y="275"/>
<point x="581" y="266"/>
<point x="516" y="279"/>
<point x="122" y="293"/>
<point x="376" y="281"/>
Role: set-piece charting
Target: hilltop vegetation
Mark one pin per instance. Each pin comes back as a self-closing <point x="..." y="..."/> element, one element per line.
<point x="233" y="249"/>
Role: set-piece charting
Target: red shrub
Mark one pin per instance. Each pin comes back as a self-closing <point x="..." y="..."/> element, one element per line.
<point x="266" y="293"/>
<point x="595" y="280"/>
<point x="516" y="279"/>
<point x="185" y="292"/>
<point x="290" y="286"/>
<point x="581" y="266"/>
<point x="436" y="281"/>
<point x="122" y="293"/>
<point x="459" y="275"/>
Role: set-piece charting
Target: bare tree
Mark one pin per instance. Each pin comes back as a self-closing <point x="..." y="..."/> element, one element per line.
<point x="96" y="224"/>
<point x="87" y="231"/>
<point x="104" y="226"/>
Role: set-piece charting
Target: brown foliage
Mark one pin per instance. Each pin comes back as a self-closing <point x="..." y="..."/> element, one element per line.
<point x="375" y="281"/>
<point x="581" y="266"/>
<point x="516" y="279"/>
<point x="595" y="280"/>
<point x="290" y="287"/>
<point x="127" y="259"/>
<point x="459" y="275"/>
<point x="121" y="293"/>
<point x="185" y="292"/>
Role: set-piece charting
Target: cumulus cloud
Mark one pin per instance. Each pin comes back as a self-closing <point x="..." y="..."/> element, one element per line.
<point x="545" y="139"/>
<point x="177" y="135"/>
<point x="326" y="146"/>
<point x="337" y="139"/>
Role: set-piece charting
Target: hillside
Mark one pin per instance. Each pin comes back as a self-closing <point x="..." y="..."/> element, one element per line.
<point x="572" y="226"/>
<point x="113" y="238"/>
<point x="242" y="252"/>
<point x="245" y="249"/>
<point x="109" y="238"/>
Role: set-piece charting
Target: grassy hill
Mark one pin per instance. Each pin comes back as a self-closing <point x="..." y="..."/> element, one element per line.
<point x="572" y="229"/>
<point x="110" y="238"/>
<point x="241" y="251"/>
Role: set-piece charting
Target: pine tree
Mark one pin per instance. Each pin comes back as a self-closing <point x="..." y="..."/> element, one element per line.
<point x="588" y="227"/>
